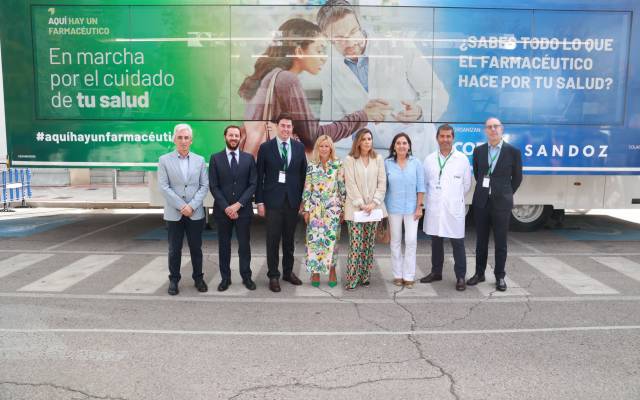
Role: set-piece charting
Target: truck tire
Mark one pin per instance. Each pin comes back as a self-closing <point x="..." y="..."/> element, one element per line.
<point x="528" y="218"/>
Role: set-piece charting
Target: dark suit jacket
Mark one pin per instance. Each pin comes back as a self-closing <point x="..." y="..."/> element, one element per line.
<point x="228" y="189"/>
<point x="505" y="178"/>
<point x="270" y="191"/>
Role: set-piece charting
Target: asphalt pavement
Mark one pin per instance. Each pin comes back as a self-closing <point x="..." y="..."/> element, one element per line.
<point x="84" y="314"/>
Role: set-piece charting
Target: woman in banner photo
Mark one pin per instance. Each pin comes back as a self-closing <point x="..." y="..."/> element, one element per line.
<point x="323" y="201"/>
<point x="405" y="193"/>
<point x="274" y="87"/>
<point x="366" y="184"/>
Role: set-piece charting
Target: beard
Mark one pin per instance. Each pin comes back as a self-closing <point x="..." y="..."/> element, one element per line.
<point x="232" y="147"/>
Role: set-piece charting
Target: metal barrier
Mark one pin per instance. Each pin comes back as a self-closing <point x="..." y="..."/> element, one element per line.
<point x="16" y="186"/>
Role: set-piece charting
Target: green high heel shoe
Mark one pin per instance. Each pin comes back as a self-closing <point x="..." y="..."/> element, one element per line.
<point x="315" y="282"/>
<point x="333" y="282"/>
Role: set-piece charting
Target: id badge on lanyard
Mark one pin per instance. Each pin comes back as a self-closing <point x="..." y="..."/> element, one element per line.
<point x="282" y="177"/>
<point x="441" y="165"/>
<point x="485" y="181"/>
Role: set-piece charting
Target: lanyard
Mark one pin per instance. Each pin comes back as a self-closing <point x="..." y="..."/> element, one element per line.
<point x="493" y="159"/>
<point x="442" y="164"/>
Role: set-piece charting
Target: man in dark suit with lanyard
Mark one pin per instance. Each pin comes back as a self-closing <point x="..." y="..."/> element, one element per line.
<point x="497" y="167"/>
<point x="232" y="181"/>
<point x="282" y="168"/>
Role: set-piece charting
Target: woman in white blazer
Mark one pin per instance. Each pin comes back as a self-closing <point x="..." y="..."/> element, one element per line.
<point x="366" y="184"/>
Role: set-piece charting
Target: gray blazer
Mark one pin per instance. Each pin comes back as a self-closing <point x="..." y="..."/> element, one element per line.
<point x="176" y="191"/>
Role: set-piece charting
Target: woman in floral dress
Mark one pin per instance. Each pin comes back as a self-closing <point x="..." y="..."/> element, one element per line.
<point x="323" y="200"/>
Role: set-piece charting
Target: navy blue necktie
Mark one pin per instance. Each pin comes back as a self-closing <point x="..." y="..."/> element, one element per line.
<point x="234" y="163"/>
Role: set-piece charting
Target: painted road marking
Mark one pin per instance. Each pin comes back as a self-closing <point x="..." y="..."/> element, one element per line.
<point x="622" y="265"/>
<point x="321" y="333"/>
<point x="567" y="276"/>
<point x="20" y="262"/>
<point x="70" y="275"/>
<point x="149" y="278"/>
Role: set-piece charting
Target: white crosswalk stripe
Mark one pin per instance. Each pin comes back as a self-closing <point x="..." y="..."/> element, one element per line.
<point x="488" y="287"/>
<point x="20" y="262"/>
<point x="622" y="265"/>
<point x="258" y="265"/>
<point x="149" y="278"/>
<point x="567" y="276"/>
<point x="419" y="289"/>
<point x="70" y="275"/>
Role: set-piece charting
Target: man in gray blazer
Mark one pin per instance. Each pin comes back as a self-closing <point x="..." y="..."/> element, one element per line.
<point x="183" y="181"/>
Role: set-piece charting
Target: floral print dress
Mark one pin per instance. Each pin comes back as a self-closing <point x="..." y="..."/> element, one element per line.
<point x="323" y="198"/>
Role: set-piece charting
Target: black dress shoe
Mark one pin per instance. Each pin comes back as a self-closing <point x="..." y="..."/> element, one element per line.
<point x="501" y="285"/>
<point x="431" y="278"/>
<point x="249" y="284"/>
<point x="274" y="285"/>
<point x="201" y="286"/>
<point x="460" y="285"/>
<point x="474" y="280"/>
<point x="224" y="285"/>
<point x="173" y="288"/>
<point x="292" y="279"/>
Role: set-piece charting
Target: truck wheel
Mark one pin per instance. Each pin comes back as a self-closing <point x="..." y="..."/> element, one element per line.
<point x="528" y="218"/>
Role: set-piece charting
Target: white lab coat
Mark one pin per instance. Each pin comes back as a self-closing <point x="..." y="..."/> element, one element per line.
<point x="397" y="72"/>
<point x="445" y="208"/>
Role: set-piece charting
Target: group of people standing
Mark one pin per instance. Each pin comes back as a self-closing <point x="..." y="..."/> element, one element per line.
<point x="362" y="189"/>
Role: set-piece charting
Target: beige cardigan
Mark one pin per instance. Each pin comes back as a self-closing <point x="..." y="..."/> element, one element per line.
<point x="361" y="191"/>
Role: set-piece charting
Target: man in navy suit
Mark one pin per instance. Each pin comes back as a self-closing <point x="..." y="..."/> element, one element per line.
<point x="282" y="168"/>
<point x="232" y="181"/>
<point x="497" y="167"/>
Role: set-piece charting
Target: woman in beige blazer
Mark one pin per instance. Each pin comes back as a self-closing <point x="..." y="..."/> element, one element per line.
<point x="366" y="184"/>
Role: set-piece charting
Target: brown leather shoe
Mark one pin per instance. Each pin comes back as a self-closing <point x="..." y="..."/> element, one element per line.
<point x="292" y="279"/>
<point x="274" y="285"/>
<point x="460" y="285"/>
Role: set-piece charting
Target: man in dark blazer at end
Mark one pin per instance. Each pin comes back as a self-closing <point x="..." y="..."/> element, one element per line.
<point x="497" y="167"/>
<point x="282" y="168"/>
<point x="232" y="181"/>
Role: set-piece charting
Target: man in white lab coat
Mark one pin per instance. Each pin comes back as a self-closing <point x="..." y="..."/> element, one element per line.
<point x="366" y="68"/>
<point x="448" y="179"/>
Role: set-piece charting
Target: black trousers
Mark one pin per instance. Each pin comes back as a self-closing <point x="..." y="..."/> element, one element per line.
<point x="487" y="219"/>
<point x="459" y="256"/>
<point x="281" y="224"/>
<point x="177" y="230"/>
<point x="225" y="229"/>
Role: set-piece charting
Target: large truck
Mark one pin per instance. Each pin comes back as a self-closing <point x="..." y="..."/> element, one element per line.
<point x="101" y="84"/>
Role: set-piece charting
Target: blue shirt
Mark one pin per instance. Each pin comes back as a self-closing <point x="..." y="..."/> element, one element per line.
<point x="493" y="154"/>
<point x="403" y="185"/>
<point x="361" y="69"/>
<point x="184" y="165"/>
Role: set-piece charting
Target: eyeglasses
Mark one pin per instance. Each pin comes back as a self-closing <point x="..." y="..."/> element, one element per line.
<point x="496" y="126"/>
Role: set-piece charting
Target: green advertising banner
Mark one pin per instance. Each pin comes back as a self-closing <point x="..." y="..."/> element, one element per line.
<point x="111" y="81"/>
